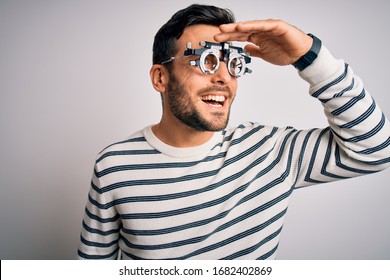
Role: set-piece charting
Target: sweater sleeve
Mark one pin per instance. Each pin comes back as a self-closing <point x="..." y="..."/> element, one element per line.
<point x="357" y="139"/>
<point x="100" y="227"/>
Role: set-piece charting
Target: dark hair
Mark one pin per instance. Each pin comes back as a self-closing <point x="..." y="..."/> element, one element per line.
<point x="164" y="46"/>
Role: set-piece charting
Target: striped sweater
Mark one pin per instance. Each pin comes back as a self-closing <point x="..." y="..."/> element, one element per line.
<point x="227" y="199"/>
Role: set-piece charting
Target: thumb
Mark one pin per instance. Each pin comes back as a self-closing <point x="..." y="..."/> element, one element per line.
<point x="253" y="50"/>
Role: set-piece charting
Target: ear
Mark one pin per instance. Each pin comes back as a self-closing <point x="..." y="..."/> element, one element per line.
<point x="159" y="77"/>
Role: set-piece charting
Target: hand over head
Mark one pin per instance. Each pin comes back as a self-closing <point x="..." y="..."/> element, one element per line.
<point x="275" y="41"/>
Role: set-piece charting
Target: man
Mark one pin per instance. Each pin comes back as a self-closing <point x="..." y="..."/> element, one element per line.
<point x="187" y="187"/>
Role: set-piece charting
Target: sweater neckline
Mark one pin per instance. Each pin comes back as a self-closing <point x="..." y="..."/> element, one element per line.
<point x="181" y="152"/>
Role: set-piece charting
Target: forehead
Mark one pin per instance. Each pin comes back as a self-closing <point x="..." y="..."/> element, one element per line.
<point x="195" y="34"/>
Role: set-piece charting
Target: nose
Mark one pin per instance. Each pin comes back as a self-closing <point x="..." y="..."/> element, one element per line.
<point x="222" y="76"/>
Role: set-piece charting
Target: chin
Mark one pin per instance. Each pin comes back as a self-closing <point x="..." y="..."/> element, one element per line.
<point x="210" y="127"/>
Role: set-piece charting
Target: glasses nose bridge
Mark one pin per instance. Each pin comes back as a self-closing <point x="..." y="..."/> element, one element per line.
<point x="222" y="74"/>
<point x="217" y="57"/>
<point x="226" y="56"/>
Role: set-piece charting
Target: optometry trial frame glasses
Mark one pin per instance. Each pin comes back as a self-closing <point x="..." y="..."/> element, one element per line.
<point x="211" y="54"/>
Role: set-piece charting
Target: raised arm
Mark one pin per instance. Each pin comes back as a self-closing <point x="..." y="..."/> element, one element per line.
<point x="357" y="140"/>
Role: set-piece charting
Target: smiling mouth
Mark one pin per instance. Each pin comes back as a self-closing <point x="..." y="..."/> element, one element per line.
<point x="214" y="100"/>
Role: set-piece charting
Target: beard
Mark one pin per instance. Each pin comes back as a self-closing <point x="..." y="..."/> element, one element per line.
<point x="183" y="108"/>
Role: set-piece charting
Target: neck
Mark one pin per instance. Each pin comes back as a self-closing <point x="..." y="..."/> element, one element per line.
<point x="180" y="135"/>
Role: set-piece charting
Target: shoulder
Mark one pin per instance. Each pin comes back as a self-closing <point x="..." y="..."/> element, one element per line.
<point x="134" y="144"/>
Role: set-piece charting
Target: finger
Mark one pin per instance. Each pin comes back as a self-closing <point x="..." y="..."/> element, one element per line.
<point x="253" y="50"/>
<point x="260" y="26"/>
<point x="229" y="27"/>
<point x="254" y="26"/>
<point x="236" y="26"/>
<point x="241" y="31"/>
<point x="251" y="47"/>
<point x="232" y="36"/>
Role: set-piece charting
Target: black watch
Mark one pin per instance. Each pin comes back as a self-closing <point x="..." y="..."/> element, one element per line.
<point x="310" y="56"/>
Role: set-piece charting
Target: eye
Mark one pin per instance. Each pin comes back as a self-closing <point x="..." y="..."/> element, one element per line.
<point x="210" y="62"/>
<point x="236" y="65"/>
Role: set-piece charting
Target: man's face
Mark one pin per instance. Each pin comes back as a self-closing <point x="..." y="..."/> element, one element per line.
<point x="200" y="101"/>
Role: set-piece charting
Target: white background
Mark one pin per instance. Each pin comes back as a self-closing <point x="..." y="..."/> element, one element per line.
<point x="74" y="77"/>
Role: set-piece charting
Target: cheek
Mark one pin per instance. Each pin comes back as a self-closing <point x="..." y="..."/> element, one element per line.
<point x="185" y="78"/>
<point x="193" y="84"/>
<point x="234" y="86"/>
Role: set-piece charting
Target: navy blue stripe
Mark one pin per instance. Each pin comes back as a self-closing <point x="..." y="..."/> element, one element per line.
<point x="341" y="93"/>
<point x="349" y="104"/>
<point x="130" y="140"/>
<point x="99" y="219"/>
<point x="269" y="254"/>
<point x="97" y="244"/>
<point x="98" y="231"/>
<point x="361" y="118"/>
<point x="228" y="138"/>
<point x="334" y="82"/>
<point x="348" y="88"/>
<point x="376" y="148"/>
<point x="313" y="157"/>
<point x="96" y="203"/>
<point x="302" y="154"/>
<point x="98" y="257"/>
<point x="249" y="134"/>
<point x="166" y="165"/>
<point x="366" y="135"/>
<point x="177" y="228"/>
<point x="326" y="161"/>
<point x="338" y="162"/>
<point x="377" y="162"/>
<point x="149" y="182"/>
<point x="127" y="153"/>
<point x="253" y="248"/>
<point x="341" y="165"/>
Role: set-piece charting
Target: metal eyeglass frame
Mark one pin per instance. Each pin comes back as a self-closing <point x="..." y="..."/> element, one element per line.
<point x="230" y="55"/>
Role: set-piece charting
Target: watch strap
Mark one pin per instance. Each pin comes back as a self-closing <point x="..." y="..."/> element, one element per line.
<point x="307" y="59"/>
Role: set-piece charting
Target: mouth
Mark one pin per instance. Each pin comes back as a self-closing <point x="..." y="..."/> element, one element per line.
<point x="214" y="100"/>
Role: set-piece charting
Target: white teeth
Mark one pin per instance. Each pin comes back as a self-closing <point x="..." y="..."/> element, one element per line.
<point x="217" y="98"/>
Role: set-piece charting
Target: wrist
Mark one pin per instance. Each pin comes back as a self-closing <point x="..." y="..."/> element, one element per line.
<point x="325" y="68"/>
<point x="307" y="59"/>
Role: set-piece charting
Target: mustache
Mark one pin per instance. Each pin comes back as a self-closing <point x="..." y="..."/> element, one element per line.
<point x="214" y="88"/>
